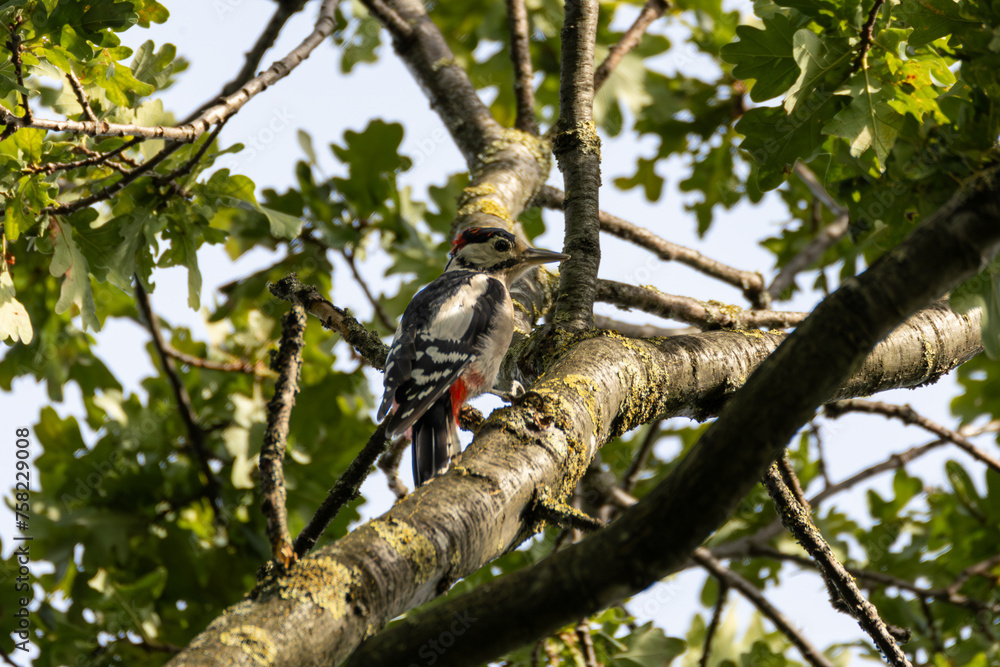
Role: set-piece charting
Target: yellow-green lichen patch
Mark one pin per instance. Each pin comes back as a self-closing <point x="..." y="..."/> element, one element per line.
<point x="488" y="205"/>
<point x="253" y="641"/>
<point x="731" y="314"/>
<point x="321" y="581"/>
<point x="440" y="64"/>
<point x="407" y="542"/>
<point x="473" y="191"/>
<point x="537" y="146"/>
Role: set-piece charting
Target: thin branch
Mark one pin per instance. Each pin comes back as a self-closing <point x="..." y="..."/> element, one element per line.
<point x="866" y="37"/>
<point x="214" y="115"/>
<point x="15" y="58"/>
<point x="388" y="463"/>
<point x="196" y="435"/>
<point x="826" y="237"/>
<point x="288" y="364"/>
<point x="185" y="168"/>
<point x="908" y="415"/>
<point x="791" y="480"/>
<point x="871" y="577"/>
<point x="631" y="475"/>
<point x="81" y="96"/>
<point x="116" y="187"/>
<point x="981" y="569"/>
<point x="390" y="18"/>
<point x="652" y="10"/>
<point x="586" y="643"/>
<point x="368" y="344"/>
<point x="640" y="330"/>
<point x="751" y="283"/>
<point x="380" y="313"/>
<point x="812" y="655"/>
<point x="711" y="315"/>
<point x="578" y="152"/>
<point x="706" y="650"/>
<point x="344" y="491"/>
<point x="234" y="366"/>
<point x="520" y="56"/>
<point x="283" y="11"/>
<point x="797" y="521"/>
<point x="93" y="159"/>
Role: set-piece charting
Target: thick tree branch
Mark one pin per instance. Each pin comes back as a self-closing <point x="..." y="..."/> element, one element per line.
<point x="578" y="150"/>
<point x="652" y="10"/>
<point x="599" y="388"/>
<point x="520" y="55"/>
<point x="656" y="536"/>
<point x="750" y="282"/>
<point x="711" y="315"/>
<point x="288" y="363"/>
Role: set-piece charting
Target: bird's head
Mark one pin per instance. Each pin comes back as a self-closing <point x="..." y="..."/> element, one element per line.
<point x="497" y="252"/>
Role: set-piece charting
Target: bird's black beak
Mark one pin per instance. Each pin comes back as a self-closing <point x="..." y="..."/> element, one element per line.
<point x="539" y="256"/>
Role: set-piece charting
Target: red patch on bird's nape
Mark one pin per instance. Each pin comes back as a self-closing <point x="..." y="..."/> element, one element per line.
<point x="462" y="239"/>
<point x="458" y="393"/>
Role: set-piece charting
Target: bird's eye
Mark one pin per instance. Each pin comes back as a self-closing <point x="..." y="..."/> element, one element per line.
<point x="501" y="245"/>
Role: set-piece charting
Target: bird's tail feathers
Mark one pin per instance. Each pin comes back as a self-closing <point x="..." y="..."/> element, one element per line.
<point x="435" y="441"/>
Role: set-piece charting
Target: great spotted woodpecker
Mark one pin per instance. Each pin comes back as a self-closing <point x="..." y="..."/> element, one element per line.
<point x="450" y="342"/>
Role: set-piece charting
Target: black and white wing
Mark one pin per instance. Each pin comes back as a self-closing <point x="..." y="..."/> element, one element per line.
<point x="435" y="341"/>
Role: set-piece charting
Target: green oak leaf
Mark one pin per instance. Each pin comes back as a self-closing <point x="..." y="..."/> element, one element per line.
<point x="932" y="19"/>
<point x="649" y="646"/>
<point x="818" y="60"/>
<point x="14" y="321"/>
<point x="868" y="122"/>
<point x="765" y="56"/>
<point x="70" y="264"/>
<point x="646" y="176"/>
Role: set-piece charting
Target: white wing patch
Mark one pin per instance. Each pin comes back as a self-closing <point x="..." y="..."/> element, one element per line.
<point x="452" y="320"/>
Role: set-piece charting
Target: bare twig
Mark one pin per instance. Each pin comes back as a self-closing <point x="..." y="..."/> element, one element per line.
<point x="15" y="58"/>
<point x="866" y="37"/>
<point x="283" y="11"/>
<point x="366" y="343"/>
<point x="212" y="116"/>
<point x="791" y="480"/>
<point x="81" y="96"/>
<point x="794" y="517"/>
<point x="577" y="149"/>
<point x="196" y="435"/>
<point x="826" y="237"/>
<point x="652" y="10"/>
<point x="640" y="330"/>
<point x="380" y="313"/>
<point x="343" y="491"/>
<point x="713" y="625"/>
<point x="949" y="595"/>
<point x="711" y="315"/>
<point x="288" y="364"/>
<point x="389" y="17"/>
<point x="388" y="463"/>
<point x="586" y="644"/>
<point x="234" y="366"/>
<point x="750" y="282"/>
<point x="520" y="55"/>
<point x="812" y="655"/>
<point x="185" y="168"/>
<point x="641" y="457"/>
<point x="93" y="159"/>
<point x="908" y="415"/>
<point x="981" y="569"/>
